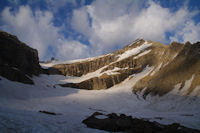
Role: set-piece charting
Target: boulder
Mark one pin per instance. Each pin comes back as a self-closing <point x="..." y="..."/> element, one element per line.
<point x="114" y="123"/>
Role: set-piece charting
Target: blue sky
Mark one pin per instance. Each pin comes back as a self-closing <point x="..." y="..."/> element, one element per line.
<point x="72" y="29"/>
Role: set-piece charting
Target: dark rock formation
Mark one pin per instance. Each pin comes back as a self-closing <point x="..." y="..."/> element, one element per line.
<point x="18" y="62"/>
<point x="47" y="112"/>
<point x="114" y="123"/>
<point x="52" y="71"/>
<point x="15" y="74"/>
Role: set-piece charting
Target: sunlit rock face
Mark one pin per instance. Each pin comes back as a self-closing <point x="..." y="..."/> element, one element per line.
<point x="18" y="62"/>
<point x="172" y="64"/>
<point x="179" y="73"/>
<point x="114" y="67"/>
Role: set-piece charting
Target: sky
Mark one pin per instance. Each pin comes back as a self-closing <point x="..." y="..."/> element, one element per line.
<point x="74" y="29"/>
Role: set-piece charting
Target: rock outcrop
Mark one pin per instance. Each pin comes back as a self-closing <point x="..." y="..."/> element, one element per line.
<point x="18" y="62"/>
<point x="122" y="123"/>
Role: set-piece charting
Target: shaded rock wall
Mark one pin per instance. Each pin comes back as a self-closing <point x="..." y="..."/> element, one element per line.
<point x="18" y="61"/>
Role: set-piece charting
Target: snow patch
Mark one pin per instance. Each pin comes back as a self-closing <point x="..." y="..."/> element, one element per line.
<point x="184" y="90"/>
<point x="187" y="85"/>
<point x="90" y="75"/>
<point x="101" y="116"/>
<point x="137" y="41"/>
<point x="196" y="91"/>
<point x="15" y="68"/>
<point x="176" y="89"/>
<point x="143" y="53"/>
<point x="112" y="72"/>
<point x="47" y="65"/>
<point x="157" y="69"/>
<point x="174" y="56"/>
<point x="170" y="60"/>
<point x="134" y="51"/>
<point x="166" y="64"/>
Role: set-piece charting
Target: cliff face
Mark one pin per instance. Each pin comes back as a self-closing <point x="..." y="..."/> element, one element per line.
<point x="18" y="62"/>
<point x="175" y="67"/>
<point x="93" y="64"/>
<point x="81" y="68"/>
<point x="113" y="68"/>
<point x="180" y="72"/>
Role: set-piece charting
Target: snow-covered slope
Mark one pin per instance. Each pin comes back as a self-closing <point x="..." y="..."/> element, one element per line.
<point x="20" y="103"/>
<point x="134" y="51"/>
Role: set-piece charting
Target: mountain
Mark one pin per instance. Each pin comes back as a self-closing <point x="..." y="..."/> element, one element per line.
<point x="174" y="67"/>
<point x="145" y="85"/>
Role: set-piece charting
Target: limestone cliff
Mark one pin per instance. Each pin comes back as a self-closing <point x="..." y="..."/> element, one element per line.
<point x="174" y="66"/>
<point x="121" y="64"/>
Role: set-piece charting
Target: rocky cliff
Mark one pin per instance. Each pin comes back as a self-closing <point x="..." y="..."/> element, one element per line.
<point x="179" y="71"/>
<point x="18" y="62"/>
<point x="115" y="67"/>
<point x="175" y="66"/>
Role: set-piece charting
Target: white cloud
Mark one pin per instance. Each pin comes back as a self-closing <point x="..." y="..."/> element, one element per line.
<point x="70" y="49"/>
<point x="107" y="24"/>
<point x="80" y="21"/>
<point x="117" y="23"/>
<point x="189" y="32"/>
<point x="37" y="30"/>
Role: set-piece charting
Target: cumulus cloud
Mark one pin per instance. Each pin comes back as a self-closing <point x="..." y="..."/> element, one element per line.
<point x="105" y="24"/>
<point x="37" y="30"/>
<point x="71" y="49"/>
<point x="117" y="23"/>
<point x="189" y="32"/>
<point x="80" y="21"/>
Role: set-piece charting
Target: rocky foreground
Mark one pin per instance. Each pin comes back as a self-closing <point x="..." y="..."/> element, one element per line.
<point x="114" y="123"/>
